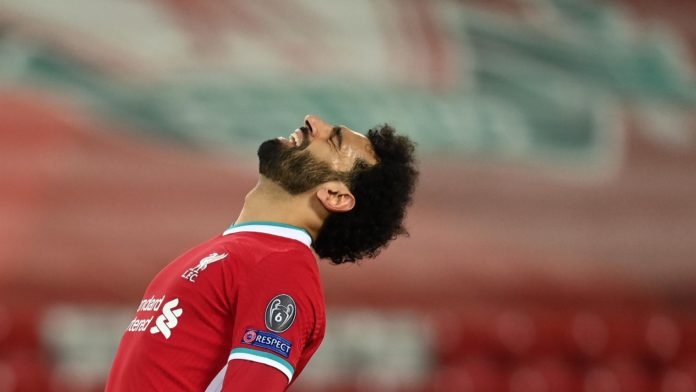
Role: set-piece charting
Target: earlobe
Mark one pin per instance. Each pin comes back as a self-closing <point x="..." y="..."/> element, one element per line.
<point x="336" y="197"/>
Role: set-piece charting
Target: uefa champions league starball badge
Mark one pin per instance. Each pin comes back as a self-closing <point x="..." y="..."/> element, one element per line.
<point x="280" y="313"/>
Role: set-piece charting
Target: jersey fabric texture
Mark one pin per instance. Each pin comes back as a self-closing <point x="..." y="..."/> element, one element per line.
<point x="251" y="294"/>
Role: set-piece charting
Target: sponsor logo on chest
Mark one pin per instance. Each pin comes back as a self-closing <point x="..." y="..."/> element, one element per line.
<point x="165" y="321"/>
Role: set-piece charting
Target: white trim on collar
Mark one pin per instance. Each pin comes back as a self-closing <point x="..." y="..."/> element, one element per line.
<point x="273" y="228"/>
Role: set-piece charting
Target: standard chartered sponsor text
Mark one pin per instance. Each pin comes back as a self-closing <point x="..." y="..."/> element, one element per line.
<point x="151" y="304"/>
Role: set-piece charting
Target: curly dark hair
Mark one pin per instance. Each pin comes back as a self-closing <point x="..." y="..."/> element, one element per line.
<point x="382" y="192"/>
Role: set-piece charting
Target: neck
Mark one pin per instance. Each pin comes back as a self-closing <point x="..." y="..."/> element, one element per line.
<point x="270" y="202"/>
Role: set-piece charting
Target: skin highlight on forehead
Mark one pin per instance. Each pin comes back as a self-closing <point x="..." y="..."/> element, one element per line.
<point x="359" y="147"/>
<point x="369" y="156"/>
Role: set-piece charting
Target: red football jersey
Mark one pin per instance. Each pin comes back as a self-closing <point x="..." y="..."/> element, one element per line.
<point x="250" y="294"/>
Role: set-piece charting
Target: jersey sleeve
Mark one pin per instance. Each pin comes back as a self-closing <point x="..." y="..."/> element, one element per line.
<point x="276" y="315"/>
<point x="249" y="376"/>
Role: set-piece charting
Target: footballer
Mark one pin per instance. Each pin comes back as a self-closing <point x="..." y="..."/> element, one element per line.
<point x="244" y="311"/>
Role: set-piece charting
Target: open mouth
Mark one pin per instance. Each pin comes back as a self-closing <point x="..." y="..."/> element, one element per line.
<point x="300" y="138"/>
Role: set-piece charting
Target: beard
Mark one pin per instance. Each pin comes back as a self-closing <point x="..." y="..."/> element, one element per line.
<point x="293" y="168"/>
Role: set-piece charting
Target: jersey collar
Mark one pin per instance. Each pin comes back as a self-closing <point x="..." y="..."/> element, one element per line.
<point x="273" y="228"/>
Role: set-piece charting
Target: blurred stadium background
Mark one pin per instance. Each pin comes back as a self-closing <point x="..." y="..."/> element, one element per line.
<point x="553" y="236"/>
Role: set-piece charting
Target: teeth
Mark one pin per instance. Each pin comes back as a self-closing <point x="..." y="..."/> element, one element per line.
<point x="296" y="138"/>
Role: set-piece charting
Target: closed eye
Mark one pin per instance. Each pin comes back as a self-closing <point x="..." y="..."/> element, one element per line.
<point x="337" y="136"/>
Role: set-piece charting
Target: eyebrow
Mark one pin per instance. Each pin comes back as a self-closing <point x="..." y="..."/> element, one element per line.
<point x="338" y="131"/>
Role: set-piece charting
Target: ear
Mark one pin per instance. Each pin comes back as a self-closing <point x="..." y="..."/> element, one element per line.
<point x="335" y="196"/>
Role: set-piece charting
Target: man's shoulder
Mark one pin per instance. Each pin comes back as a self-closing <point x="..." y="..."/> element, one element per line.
<point x="260" y="246"/>
<point x="267" y="257"/>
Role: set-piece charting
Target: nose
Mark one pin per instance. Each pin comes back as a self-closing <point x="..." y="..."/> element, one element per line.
<point x="317" y="127"/>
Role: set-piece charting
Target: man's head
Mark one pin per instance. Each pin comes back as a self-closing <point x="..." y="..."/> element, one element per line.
<point x="364" y="183"/>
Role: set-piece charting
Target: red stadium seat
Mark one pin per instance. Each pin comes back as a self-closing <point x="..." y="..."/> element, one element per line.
<point x="687" y="349"/>
<point x="663" y="338"/>
<point x="620" y="375"/>
<point x="470" y="376"/>
<point x="19" y="329"/>
<point x="547" y="374"/>
<point x="677" y="380"/>
<point x="626" y="335"/>
<point x="459" y="338"/>
<point x="516" y="334"/>
<point x="24" y="371"/>
<point x="589" y="333"/>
